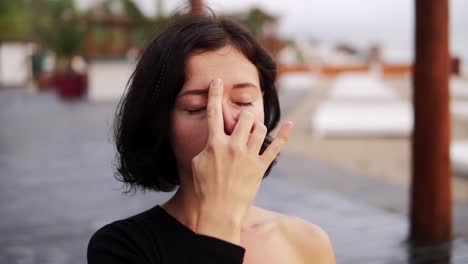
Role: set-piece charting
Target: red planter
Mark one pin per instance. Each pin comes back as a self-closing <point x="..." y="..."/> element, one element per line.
<point x="70" y="85"/>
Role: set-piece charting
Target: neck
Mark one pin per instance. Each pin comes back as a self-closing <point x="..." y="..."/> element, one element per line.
<point x="184" y="204"/>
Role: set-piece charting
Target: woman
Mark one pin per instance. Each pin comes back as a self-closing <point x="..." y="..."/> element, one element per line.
<point x="196" y="115"/>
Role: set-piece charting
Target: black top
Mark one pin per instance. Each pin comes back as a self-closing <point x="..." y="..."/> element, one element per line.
<point x="155" y="236"/>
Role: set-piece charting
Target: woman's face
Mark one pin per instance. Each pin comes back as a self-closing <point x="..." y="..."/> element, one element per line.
<point x="241" y="91"/>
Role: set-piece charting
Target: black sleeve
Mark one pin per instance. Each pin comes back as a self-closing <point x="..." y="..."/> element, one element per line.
<point x="123" y="244"/>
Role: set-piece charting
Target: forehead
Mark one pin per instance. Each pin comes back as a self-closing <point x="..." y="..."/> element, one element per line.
<point x="226" y="63"/>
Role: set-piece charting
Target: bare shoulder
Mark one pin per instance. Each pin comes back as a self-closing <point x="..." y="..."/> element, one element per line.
<point x="309" y="241"/>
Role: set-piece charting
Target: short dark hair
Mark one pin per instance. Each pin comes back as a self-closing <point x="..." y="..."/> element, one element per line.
<point x="144" y="156"/>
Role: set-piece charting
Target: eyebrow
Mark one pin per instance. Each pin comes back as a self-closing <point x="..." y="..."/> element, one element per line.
<point x="205" y="91"/>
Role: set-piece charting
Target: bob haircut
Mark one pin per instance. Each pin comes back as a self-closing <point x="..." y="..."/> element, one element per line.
<point x="144" y="156"/>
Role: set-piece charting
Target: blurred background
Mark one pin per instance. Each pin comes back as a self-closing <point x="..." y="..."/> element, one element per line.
<point x="345" y="80"/>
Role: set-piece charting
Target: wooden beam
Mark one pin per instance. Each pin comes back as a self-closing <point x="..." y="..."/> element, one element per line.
<point x="431" y="196"/>
<point x="196" y="7"/>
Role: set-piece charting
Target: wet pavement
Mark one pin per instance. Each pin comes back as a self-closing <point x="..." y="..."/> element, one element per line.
<point x="56" y="167"/>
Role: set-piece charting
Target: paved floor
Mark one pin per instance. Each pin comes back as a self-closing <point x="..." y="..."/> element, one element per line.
<point x="58" y="188"/>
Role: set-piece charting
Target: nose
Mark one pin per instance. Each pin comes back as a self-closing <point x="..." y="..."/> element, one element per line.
<point x="230" y="116"/>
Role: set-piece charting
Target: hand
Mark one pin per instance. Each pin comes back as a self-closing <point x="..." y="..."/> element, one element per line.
<point x="228" y="172"/>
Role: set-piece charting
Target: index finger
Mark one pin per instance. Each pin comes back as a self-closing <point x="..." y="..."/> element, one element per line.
<point x="214" y="108"/>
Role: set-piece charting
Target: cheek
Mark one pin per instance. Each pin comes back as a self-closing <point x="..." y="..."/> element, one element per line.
<point x="189" y="135"/>
<point x="188" y="138"/>
<point x="258" y="109"/>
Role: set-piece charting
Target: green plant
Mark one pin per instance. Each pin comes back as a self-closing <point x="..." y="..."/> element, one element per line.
<point x="14" y="20"/>
<point x="59" y="29"/>
<point x="66" y="36"/>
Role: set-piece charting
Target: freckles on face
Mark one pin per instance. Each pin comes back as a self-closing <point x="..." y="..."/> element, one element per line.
<point x="189" y="126"/>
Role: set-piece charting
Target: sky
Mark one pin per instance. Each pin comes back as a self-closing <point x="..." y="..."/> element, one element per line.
<point x="359" y="22"/>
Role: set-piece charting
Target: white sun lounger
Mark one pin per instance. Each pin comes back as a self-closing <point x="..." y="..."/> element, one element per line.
<point x="460" y="109"/>
<point x="358" y="86"/>
<point x="459" y="156"/>
<point x="459" y="88"/>
<point x="297" y="81"/>
<point x="370" y="119"/>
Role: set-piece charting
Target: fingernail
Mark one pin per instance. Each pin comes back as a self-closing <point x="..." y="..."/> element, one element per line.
<point x="217" y="82"/>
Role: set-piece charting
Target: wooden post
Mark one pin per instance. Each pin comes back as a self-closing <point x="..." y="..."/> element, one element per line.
<point x="196" y="7"/>
<point x="431" y="197"/>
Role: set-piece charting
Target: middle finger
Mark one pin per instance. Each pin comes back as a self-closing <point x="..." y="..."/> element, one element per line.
<point x="243" y="127"/>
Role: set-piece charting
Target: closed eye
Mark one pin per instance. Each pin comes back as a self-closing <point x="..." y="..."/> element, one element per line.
<point x="244" y="104"/>
<point x="199" y="110"/>
<point x="196" y="111"/>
